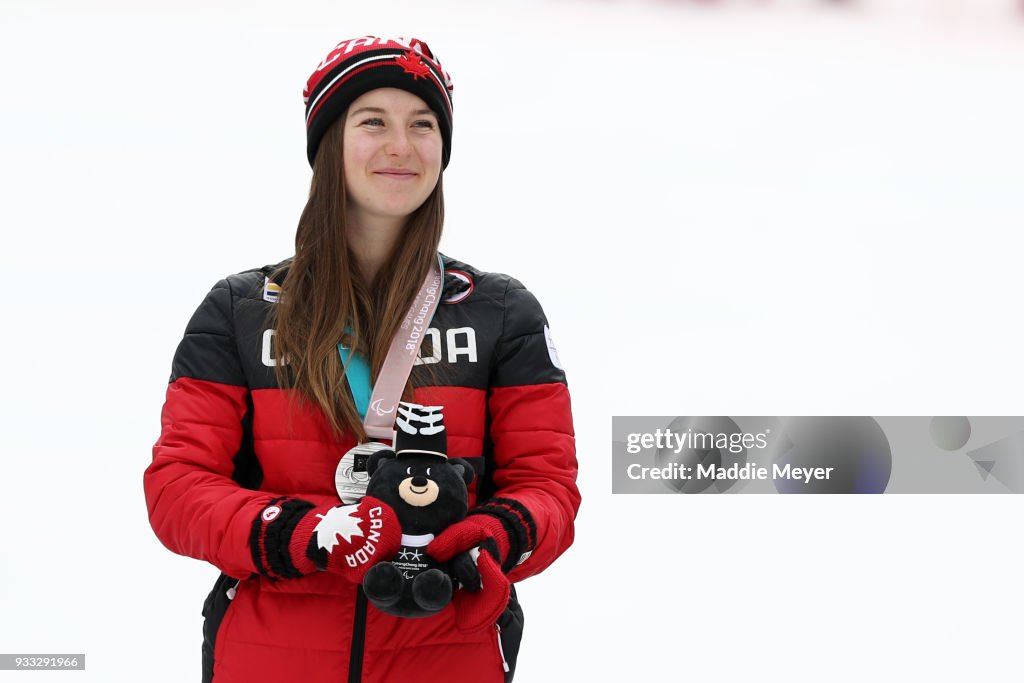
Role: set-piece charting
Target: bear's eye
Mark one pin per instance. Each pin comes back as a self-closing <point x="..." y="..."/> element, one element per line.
<point x="428" y="471"/>
<point x="408" y="470"/>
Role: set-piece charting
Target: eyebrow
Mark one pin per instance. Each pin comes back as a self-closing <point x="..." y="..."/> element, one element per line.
<point x="379" y="110"/>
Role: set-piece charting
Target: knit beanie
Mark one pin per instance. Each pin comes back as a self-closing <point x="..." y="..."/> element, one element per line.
<point x="359" y="65"/>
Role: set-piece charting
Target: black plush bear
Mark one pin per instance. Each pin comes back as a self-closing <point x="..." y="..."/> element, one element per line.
<point x="428" y="491"/>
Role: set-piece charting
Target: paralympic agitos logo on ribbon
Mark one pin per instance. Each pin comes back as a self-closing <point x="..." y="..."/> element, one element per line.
<point x="378" y="407"/>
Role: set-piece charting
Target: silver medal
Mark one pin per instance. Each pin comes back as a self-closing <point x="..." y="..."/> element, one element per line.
<point x="351" y="476"/>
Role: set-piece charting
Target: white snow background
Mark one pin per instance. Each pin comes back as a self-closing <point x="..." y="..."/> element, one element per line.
<point x="732" y="208"/>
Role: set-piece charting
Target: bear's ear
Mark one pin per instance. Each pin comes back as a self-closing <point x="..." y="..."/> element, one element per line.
<point x="377" y="458"/>
<point x="464" y="469"/>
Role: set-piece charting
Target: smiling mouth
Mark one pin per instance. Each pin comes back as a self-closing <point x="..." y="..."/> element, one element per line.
<point x="419" y="492"/>
<point x="397" y="173"/>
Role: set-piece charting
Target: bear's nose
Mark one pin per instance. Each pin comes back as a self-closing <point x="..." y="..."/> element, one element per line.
<point x="419" y="482"/>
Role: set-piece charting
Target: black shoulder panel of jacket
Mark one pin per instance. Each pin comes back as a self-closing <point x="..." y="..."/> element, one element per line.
<point x="458" y="348"/>
<point x="211" y="348"/>
<point x="526" y="352"/>
<point x="492" y="336"/>
<point x="208" y="350"/>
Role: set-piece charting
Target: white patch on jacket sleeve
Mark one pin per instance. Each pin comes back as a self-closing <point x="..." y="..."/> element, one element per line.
<point x="551" y="349"/>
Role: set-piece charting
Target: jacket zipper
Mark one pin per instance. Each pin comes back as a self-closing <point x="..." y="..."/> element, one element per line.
<point x="355" y="661"/>
<point x="501" y="650"/>
<point x="231" y="592"/>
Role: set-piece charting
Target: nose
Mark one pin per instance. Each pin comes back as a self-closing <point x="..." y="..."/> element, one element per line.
<point x="398" y="143"/>
<point x="419" y="482"/>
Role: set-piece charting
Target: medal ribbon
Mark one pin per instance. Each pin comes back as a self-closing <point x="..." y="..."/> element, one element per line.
<point x="379" y="419"/>
<point x="357" y="372"/>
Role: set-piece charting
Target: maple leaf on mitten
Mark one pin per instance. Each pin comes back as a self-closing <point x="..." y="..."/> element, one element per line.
<point x="340" y="521"/>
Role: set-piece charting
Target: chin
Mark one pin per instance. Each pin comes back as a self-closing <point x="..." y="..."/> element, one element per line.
<point x="402" y="210"/>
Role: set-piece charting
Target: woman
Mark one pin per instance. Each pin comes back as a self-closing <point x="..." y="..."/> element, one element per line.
<point x="282" y="372"/>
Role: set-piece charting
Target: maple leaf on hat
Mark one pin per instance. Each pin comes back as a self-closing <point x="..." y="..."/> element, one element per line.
<point x="412" y="64"/>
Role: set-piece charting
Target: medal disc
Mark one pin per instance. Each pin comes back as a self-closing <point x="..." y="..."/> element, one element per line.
<point x="351" y="476"/>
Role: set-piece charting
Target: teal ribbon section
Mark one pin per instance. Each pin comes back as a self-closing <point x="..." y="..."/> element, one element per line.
<point x="357" y="372"/>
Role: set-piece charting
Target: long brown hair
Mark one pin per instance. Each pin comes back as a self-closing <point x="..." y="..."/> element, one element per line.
<point x="323" y="292"/>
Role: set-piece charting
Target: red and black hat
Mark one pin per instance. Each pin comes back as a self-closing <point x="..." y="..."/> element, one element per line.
<point x="360" y="65"/>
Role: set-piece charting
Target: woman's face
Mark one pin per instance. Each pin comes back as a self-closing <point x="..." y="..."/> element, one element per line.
<point x="392" y="155"/>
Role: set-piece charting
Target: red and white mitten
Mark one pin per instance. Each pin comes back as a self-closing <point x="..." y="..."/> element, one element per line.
<point x="293" y="537"/>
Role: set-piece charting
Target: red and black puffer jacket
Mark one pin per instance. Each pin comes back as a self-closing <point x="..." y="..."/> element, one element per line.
<point x="228" y="446"/>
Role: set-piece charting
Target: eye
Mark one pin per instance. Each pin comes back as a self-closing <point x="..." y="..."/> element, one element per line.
<point x="408" y="470"/>
<point x="428" y="471"/>
<point x="374" y="121"/>
<point x="425" y="124"/>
